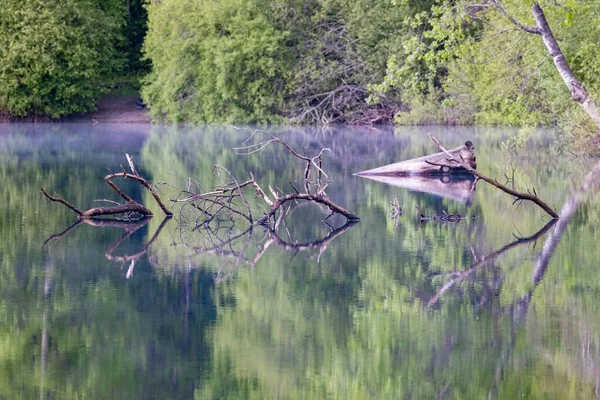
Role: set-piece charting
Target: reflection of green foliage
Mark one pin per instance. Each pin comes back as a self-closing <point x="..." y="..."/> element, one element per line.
<point x="354" y="324"/>
<point x="348" y="322"/>
<point x="103" y="338"/>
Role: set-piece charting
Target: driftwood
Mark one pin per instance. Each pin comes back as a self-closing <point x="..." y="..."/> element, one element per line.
<point x="445" y="217"/>
<point x="431" y="165"/>
<point x="519" y="196"/>
<point x="129" y="207"/>
<point x="229" y="199"/>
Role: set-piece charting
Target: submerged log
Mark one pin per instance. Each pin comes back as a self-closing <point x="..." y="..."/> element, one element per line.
<point x="431" y="165"/>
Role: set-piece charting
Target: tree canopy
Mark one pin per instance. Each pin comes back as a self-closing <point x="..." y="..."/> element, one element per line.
<point x="324" y="61"/>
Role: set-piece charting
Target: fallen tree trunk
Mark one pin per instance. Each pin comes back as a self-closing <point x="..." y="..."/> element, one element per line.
<point x="431" y="165"/>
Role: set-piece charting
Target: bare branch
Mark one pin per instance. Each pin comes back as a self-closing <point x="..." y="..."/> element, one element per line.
<point x="62" y="201"/>
<point x="519" y="195"/>
<point x="529" y="29"/>
<point x="130" y="205"/>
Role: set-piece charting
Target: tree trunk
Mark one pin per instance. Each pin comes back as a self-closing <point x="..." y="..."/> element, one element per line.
<point x="578" y="92"/>
<point x="432" y="165"/>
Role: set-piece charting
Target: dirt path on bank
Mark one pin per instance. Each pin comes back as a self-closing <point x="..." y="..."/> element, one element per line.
<point x="116" y="109"/>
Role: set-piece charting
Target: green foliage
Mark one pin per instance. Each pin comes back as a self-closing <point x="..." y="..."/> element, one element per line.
<point x="55" y="56"/>
<point x="473" y="58"/>
<point x="212" y="62"/>
<point x="248" y="61"/>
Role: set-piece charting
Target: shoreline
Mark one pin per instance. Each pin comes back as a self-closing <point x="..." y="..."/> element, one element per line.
<point x="115" y="109"/>
<point x="110" y="109"/>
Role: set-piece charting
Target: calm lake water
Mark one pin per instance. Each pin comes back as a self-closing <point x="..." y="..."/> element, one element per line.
<point x="481" y="308"/>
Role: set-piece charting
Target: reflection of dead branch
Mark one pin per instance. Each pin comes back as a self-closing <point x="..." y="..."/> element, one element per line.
<point x="233" y="250"/>
<point x="445" y="217"/>
<point x="519" y="196"/>
<point x="321" y="244"/>
<point x="591" y="184"/>
<point x="485" y="261"/>
<point x="132" y="258"/>
<point x="130" y="206"/>
<point x="130" y="228"/>
<point x="58" y="236"/>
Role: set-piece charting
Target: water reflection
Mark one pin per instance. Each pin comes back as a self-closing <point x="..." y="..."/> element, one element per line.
<point x="345" y="317"/>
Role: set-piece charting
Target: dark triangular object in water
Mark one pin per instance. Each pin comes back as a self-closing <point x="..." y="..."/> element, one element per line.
<point x="431" y="165"/>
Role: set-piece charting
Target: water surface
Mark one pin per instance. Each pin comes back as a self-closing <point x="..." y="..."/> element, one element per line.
<point x="378" y="310"/>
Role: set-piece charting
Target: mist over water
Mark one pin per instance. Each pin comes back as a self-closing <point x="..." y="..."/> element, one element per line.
<point x="378" y="309"/>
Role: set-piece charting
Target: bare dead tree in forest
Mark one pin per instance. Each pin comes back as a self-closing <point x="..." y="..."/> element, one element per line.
<point x="332" y="85"/>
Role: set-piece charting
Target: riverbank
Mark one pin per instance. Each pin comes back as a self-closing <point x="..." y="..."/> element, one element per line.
<point x="116" y="109"/>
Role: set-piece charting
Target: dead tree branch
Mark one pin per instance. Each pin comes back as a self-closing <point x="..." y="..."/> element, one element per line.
<point x="518" y="195"/>
<point x="129" y="207"/>
<point x="528" y="29"/>
<point x="229" y="200"/>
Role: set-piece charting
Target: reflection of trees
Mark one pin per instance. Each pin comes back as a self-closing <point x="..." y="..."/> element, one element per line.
<point x="353" y="325"/>
<point x="70" y="327"/>
<point x="390" y="347"/>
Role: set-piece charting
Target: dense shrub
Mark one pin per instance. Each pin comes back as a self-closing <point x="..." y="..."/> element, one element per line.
<point x="55" y="56"/>
<point x="214" y="61"/>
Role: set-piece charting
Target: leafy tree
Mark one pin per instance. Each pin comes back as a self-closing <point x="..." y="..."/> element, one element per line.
<point x="55" y="56"/>
<point x="246" y="61"/>
<point x="214" y="61"/>
<point x="475" y="62"/>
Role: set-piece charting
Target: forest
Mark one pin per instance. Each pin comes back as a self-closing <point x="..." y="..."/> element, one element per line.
<point x="310" y="61"/>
